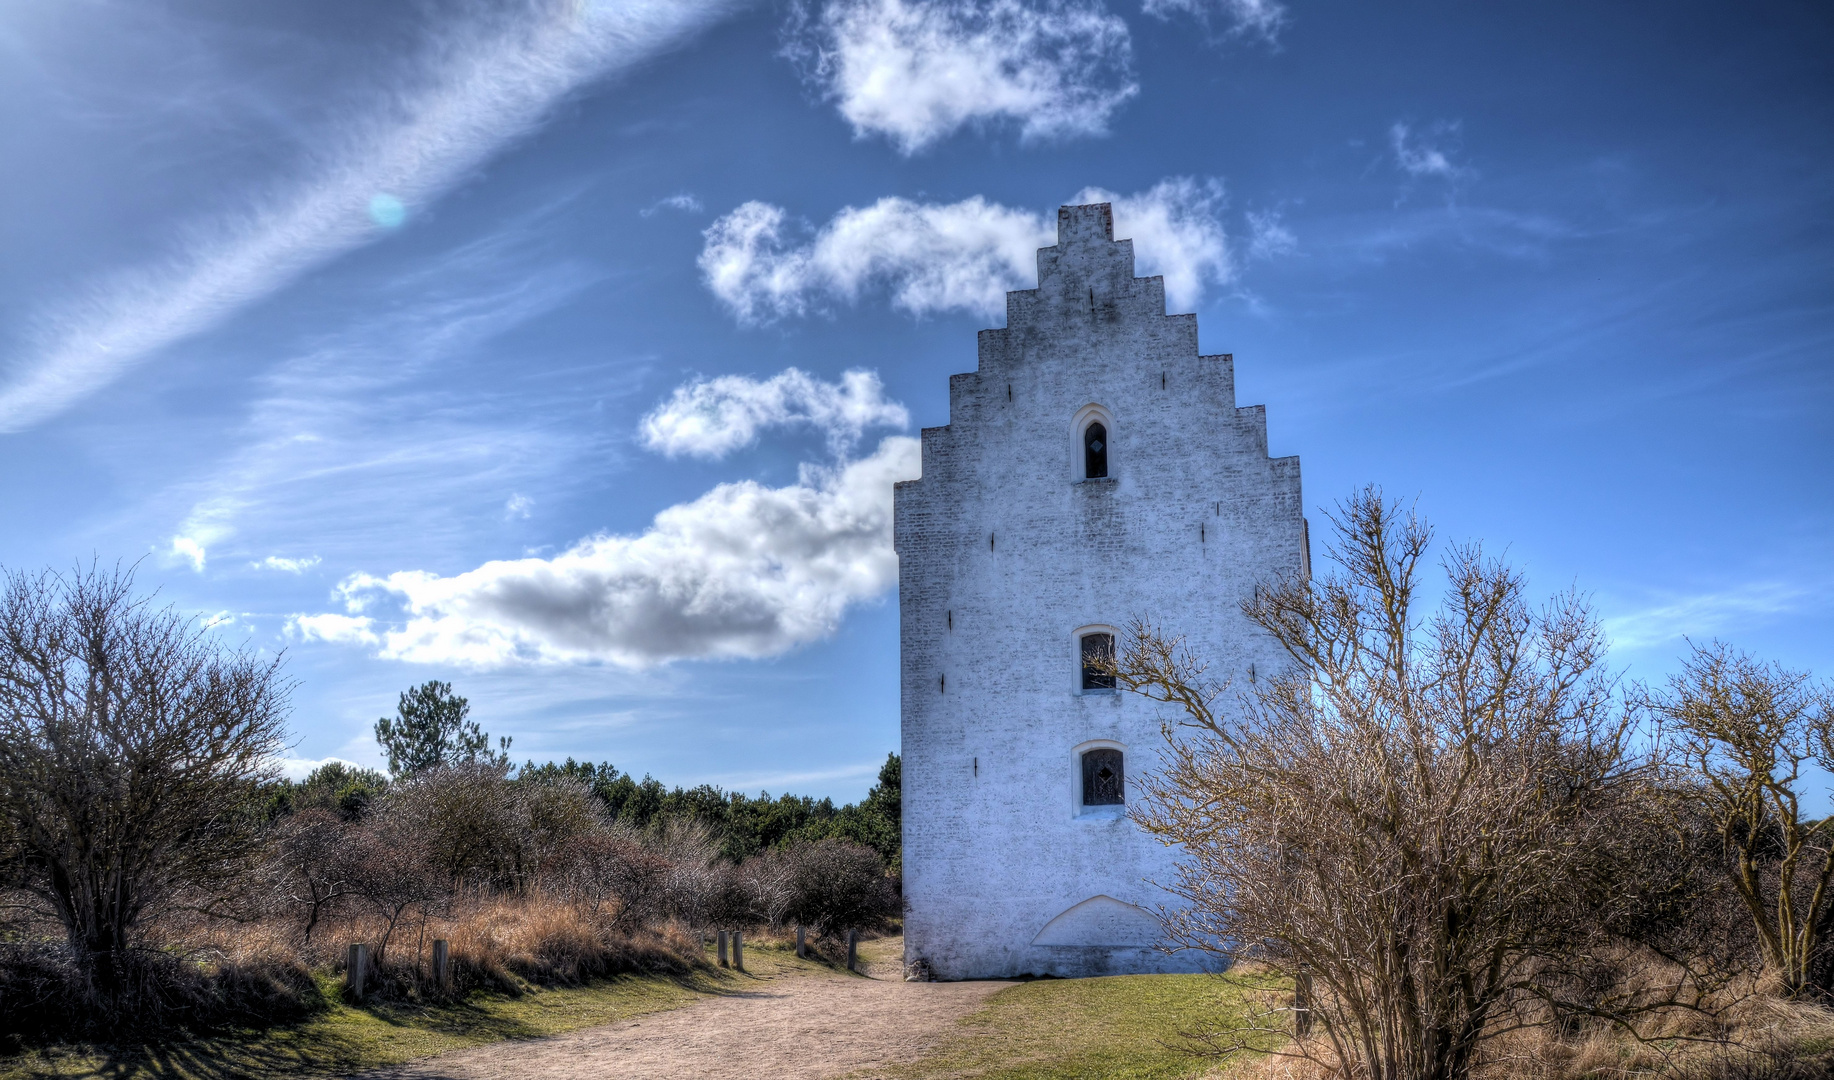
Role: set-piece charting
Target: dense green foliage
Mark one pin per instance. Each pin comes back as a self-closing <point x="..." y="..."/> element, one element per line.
<point x="744" y="824"/>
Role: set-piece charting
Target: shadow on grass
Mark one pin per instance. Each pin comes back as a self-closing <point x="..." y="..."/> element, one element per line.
<point x="341" y="1039"/>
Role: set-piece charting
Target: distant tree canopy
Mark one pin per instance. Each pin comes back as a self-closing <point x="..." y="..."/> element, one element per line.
<point x="746" y="825"/>
<point x="431" y="728"/>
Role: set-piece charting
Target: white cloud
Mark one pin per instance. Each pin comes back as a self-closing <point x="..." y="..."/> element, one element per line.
<point x="1248" y="18"/>
<point x="742" y="571"/>
<point x="334" y="628"/>
<point x="915" y="71"/>
<point x="1422" y="155"/>
<point x="960" y="256"/>
<point x="189" y="549"/>
<point x="684" y="202"/>
<point x="518" y="506"/>
<point x="1268" y="236"/>
<point x="290" y="566"/>
<point x="298" y="768"/>
<point x="487" y="81"/>
<point x="1176" y="232"/>
<point x="710" y="418"/>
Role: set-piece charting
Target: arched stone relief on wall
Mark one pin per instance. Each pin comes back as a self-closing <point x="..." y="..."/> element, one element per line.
<point x="1102" y="922"/>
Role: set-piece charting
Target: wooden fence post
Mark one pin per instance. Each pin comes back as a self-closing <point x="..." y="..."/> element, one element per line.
<point x="738" y="950"/>
<point x="356" y="965"/>
<point x="1302" y="1002"/>
<point x="442" y="963"/>
<point x="853" y="950"/>
<point x="802" y="948"/>
<point x="722" y="948"/>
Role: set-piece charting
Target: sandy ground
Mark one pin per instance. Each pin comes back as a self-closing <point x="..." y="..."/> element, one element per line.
<point x="800" y="1026"/>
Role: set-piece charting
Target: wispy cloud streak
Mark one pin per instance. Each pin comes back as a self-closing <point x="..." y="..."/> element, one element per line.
<point x="485" y="82"/>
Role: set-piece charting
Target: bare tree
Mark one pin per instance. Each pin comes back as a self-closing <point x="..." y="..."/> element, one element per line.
<point x="613" y="863"/>
<point x="465" y="817"/>
<point x="393" y="869"/>
<point x="1409" y="815"/>
<point x="1748" y="728"/>
<point x="131" y="747"/>
<point x="315" y="863"/>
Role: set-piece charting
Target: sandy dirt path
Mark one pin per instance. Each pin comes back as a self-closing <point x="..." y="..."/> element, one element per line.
<point x="790" y="1025"/>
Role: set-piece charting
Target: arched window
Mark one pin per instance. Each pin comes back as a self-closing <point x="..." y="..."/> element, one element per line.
<point x="1098" y="661"/>
<point x="1104" y="783"/>
<point x="1095" y="451"/>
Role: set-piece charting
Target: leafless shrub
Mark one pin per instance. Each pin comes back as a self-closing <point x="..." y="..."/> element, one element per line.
<point x="131" y="748"/>
<point x="314" y="864"/>
<point x="395" y="871"/>
<point x="612" y="864"/>
<point x="1416" y="814"/>
<point x="557" y="822"/>
<point x="462" y="818"/>
<point x="1748" y="728"/>
<point x="834" y="885"/>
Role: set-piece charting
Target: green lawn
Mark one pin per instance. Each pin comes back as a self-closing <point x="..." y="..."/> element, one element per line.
<point x="1125" y="1027"/>
<point x="344" y="1039"/>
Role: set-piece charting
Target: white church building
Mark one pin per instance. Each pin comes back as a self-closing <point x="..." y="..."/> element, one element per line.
<point x="1094" y="468"/>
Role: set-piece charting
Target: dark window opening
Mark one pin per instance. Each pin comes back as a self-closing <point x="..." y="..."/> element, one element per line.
<point x="1103" y="783"/>
<point x="1098" y="661"/>
<point x="1095" y="452"/>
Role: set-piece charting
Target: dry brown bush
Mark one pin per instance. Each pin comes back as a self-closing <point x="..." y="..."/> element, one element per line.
<point x="1437" y="819"/>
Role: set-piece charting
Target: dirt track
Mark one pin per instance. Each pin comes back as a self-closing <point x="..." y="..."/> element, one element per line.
<point x="801" y="1026"/>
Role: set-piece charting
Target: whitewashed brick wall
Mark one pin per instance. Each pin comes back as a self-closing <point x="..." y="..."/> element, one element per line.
<point x="1004" y="554"/>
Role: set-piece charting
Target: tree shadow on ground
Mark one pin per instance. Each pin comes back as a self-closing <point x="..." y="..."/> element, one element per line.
<point x="316" y="1047"/>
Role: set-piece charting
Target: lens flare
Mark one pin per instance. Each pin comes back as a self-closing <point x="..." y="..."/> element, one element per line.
<point x="387" y="211"/>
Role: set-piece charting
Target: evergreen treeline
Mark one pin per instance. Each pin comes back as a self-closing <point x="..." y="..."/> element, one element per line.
<point x="744" y="825"/>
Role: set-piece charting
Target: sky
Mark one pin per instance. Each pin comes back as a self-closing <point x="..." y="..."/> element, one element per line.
<point x="566" y="350"/>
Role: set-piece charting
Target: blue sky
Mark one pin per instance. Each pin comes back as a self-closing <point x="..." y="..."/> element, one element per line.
<point x="566" y="350"/>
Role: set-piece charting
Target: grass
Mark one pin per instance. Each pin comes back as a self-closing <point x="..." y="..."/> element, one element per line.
<point x="343" y="1038"/>
<point x="1123" y="1027"/>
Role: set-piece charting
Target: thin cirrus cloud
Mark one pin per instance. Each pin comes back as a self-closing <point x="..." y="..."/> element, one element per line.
<point x="710" y="418"/>
<point x="1243" y="18"/>
<point x="1705" y="614"/>
<point x="744" y="571"/>
<point x="492" y="80"/>
<point x="1429" y="154"/>
<point x="917" y="71"/>
<point x="963" y="256"/>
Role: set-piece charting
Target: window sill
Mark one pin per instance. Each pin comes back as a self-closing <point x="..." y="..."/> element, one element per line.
<point x="1101" y="814"/>
<point x="1094" y="480"/>
<point x="1109" y="692"/>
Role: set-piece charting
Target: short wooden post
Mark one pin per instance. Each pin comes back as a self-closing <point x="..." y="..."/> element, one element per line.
<point x="1302" y="1002"/>
<point x="802" y="948"/>
<point x="442" y="963"/>
<point x="356" y="966"/>
<point x="722" y="948"/>
<point x="853" y="950"/>
<point x="738" y="950"/>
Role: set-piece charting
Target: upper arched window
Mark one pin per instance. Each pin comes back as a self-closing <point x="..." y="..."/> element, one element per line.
<point x="1095" y="451"/>
<point x="1098" y="661"/>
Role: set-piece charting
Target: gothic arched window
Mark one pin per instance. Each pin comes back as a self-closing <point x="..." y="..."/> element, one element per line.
<point x="1095" y="451"/>
<point x="1103" y="781"/>
<point x="1098" y="661"/>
